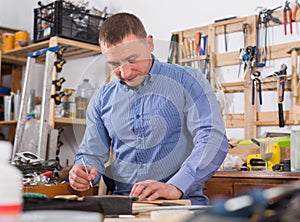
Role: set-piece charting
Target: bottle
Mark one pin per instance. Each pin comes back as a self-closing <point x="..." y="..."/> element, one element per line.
<point x="83" y="96"/>
<point x="295" y="151"/>
<point x="11" y="200"/>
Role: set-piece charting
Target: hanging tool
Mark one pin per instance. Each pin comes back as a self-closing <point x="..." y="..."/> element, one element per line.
<point x="58" y="97"/>
<point x="225" y="37"/>
<point x="247" y="56"/>
<point x="58" y="83"/>
<point x="295" y="9"/>
<point x="264" y="17"/>
<point x="256" y="84"/>
<point x="206" y="69"/>
<point x="59" y="145"/>
<point x="198" y="43"/>
<point x="281" y="74"/>
<point x="173" y="49"/>
<point x="32" y="135"/>
<point x="287" y="17"/>
<point x="225" y="30"/>
<point x="59" y="64"/>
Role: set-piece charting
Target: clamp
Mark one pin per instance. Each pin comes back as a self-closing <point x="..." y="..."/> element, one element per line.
<point x="264" y="17"/>
<point x="256" y="83"/>
<point x="60" y="52"/>
<point x="57" y="97"/>
<point x="58" y="83"/>
<point x="287" y="13"/>
<point x="58" y="64"/>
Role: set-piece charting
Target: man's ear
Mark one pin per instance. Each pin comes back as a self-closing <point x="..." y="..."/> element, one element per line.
<point x="150" y="43"/>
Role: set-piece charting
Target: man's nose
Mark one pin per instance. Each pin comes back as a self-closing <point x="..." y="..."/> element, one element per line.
<point x="125" y="71"/>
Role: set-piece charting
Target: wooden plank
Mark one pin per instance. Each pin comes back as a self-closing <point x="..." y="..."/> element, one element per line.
<point x="250" y="113"/>
<point x="74" y="50"/>
<point x="263" y="119"/>
<point x="190" y="33"/>
<point x="13" y="60"/>
<point x="16" y="78"/>
<point x="211" y="48"/>
<point x="250" y="39"/>
<point x="234" y="120"/>
<point x="234" y="25"/>
<point x="274" y="52"/>
<point x="59" y="189"/>
<point x="227" y="58"/>
<point x="67" y="121"/>
<point x="233" y="87"/>
<point x="11" y="122"/>
<point x="197" y="58"/>
<point x="271" y="118"/>
<point x="78" y="44"/>
<point x="281" y="50"/>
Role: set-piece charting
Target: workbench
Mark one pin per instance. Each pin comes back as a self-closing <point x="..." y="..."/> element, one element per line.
<point x="228" y="184"/>
<point x="223" y="184"/>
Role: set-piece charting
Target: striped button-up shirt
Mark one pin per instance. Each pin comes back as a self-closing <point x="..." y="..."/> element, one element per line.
<point x="170" y="130"/>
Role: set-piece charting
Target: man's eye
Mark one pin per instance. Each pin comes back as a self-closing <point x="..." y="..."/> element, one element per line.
<point x="114" y="65"/>
<point x="132" y="60"/>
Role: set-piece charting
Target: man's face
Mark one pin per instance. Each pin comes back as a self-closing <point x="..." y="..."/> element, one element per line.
<point x="130" y="59"/>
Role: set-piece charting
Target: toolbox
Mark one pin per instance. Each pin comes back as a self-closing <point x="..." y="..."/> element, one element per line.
<point x="64" y="19"/>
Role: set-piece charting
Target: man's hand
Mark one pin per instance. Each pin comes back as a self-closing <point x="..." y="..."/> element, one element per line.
<point x="152" y="190"/>
<point x="79" y="179"/>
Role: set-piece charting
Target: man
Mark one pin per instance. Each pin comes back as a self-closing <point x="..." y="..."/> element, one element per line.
<point x="161" y="120"/>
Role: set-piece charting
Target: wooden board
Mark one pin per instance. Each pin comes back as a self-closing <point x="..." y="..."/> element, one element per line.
<point x="60" y="189"/>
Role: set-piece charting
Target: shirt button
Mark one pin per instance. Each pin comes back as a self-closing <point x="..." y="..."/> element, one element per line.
<point x="138" y="116"/>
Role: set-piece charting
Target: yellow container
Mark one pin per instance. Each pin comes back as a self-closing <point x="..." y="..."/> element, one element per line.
<point x="20" y="36"/>
<point x="8" y="41"/>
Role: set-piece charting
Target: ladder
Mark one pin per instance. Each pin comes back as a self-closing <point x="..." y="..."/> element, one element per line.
<point x="34" y="135"/>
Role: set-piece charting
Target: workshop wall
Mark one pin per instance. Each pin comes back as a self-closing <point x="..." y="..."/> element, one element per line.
<point x="161" y="18"/>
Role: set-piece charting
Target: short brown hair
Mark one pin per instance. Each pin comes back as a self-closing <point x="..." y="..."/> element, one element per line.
<point x="120" y="25"/>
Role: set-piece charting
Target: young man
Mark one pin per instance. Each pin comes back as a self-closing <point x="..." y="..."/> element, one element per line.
<point x="161" y="120"/>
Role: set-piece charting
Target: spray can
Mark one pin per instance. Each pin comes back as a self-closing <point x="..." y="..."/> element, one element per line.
<point x="11" y="200"/>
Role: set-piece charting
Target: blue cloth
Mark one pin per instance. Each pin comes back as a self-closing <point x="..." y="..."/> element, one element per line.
<point x="170" y="130"/>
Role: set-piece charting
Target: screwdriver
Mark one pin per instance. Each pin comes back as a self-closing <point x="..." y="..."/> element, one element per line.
<point x="86" y="170"/>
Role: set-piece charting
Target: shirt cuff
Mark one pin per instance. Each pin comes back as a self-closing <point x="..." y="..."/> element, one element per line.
<point x="182" y="181"/>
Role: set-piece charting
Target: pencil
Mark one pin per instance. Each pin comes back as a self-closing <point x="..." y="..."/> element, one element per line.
<point x="86" y="170"/>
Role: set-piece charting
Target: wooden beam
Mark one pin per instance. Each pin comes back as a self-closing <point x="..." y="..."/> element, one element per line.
<point x="16" y="78"/>
<point x="279" y="51"/>
<point x="234" y="120"/>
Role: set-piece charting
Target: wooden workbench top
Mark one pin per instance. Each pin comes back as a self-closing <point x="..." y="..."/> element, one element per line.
<point x="257" y="174"/>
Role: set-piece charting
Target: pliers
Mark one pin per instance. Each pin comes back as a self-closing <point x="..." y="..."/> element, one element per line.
<point x="256" y="84"/>
<point x="287" y="12"/>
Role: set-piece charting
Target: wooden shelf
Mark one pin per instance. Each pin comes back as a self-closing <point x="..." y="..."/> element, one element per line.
<point x="267" y="84"/>
<point x="74" y="50"/>
<point x="8" y="123"/>
<point x="65" y="120"/>
<point x="193" y="59"/>
<point x="61" y="120"/>
<point x="252" y="118"/>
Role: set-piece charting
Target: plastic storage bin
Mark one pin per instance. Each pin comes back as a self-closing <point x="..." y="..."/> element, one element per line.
<point x="64" y="19"/>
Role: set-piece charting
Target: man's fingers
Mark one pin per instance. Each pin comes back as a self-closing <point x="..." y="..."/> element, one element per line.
<point x="152" y="190"/>
<point x="137" y="189"/>
<point x="79" y="179"/>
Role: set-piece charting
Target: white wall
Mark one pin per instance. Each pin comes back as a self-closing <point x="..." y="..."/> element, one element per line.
<point x="161" y="18"/>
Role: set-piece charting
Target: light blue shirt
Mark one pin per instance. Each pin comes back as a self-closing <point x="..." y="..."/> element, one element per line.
<point x="170" y="130"/>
